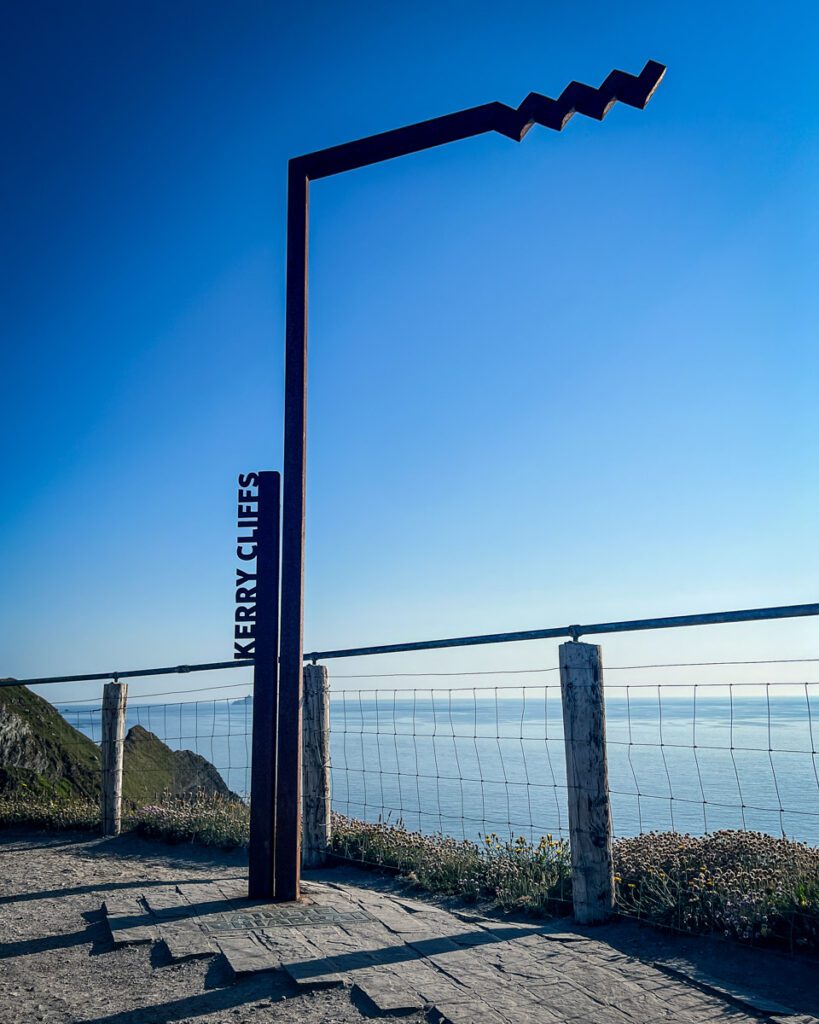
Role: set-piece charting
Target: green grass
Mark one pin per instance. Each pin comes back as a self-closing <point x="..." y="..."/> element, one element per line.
<point x="152" y="769"/>
<point x="202" y="818"/>
<point x="68" y="763"/>
<point x="52" y="759"/>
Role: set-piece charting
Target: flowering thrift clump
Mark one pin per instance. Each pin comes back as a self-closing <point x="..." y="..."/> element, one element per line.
<point x="745" y="885"/>
<point x="515" y="874"/>
<point x="200" y="818"/>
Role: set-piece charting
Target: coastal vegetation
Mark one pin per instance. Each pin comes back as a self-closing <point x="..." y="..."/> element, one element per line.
<point x="50" y="779"/>
<point x="743" y="885"/>
<point x="205" y="818"/>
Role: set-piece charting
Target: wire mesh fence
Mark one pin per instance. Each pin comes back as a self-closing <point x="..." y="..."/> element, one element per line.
<point x="469" y="761"/>
<point x="462" y="762"/>
<point x="178" y="748"/>
<point x="474" y="761"/>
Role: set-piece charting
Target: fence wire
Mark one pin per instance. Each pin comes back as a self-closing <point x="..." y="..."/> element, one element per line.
<point x="470" y="762"/>
<point x="467" y="762"/>
<point x="176" y="749"/>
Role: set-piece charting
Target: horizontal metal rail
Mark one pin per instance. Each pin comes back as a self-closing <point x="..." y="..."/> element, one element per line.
<point x="130" y="674"/>
<point x="631" y="625"/>
<point x="792" y="611"/>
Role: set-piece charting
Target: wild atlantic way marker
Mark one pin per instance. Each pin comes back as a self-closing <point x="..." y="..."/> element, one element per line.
<point x="256" y="636"/>
<point x="247" y="551"/>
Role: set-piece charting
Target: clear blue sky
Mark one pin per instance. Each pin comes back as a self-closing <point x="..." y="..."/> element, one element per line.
<point x="569" y="380"/>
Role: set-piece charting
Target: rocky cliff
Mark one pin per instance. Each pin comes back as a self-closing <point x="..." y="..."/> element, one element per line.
<point x="151" y="768"/>
<point x="40" y="751"/>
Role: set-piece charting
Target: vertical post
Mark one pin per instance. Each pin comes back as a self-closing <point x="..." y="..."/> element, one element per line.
<point x="584" y="725"/>
<point x="316" y="774"/>
<point x="265" y="691"/>
<point x="114" y="699"/>
<point x="288" y="767"/>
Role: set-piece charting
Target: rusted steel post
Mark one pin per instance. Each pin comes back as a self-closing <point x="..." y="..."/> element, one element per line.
<point x="288" y="777"/>
<point x="265" y="691"/>
<point x="514" y="123"/>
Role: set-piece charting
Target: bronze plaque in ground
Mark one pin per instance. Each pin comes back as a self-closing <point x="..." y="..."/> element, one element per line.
<point x="276" y="916"/>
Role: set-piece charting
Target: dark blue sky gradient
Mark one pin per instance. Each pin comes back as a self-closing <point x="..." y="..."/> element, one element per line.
<point x="568" y="380"/>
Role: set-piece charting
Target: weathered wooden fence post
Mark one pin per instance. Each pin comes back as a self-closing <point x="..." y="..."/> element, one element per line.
<point x="316" y="766"/>
<point x="587" y="777"/>
<point x="114" y="700"/>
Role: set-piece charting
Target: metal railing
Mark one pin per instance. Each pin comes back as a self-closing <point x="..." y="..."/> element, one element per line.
<point x="557" y="632"/>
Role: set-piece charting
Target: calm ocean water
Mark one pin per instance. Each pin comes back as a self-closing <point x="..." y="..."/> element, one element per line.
<point x="471" y="764"/>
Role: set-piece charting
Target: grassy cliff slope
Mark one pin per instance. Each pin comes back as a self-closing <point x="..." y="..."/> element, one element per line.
<point x="39" y="750"/>
<point x="42" y="754"/>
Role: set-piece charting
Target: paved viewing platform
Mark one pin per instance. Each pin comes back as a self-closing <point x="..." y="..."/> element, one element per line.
<point x="400" y="956"/>
<point x="126" y="931"/>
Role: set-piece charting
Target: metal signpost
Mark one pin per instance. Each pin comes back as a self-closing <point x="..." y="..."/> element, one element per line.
<point x="490" y="117"/>
<point x="256" y="635"/>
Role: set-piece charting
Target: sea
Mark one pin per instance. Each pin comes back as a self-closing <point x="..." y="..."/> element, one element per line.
<point x="471" y="763"/>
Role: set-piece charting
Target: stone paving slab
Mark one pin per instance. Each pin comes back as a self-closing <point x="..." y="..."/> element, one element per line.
<point x="184" y="942"/>
<point x="254" y="918"/>
<point x="129" y="920"/>
<point x="247" y="955"/>
<point x="127" y="931"/>
<point x="434" y="987"/>
<point x="743" y="996"/>
<point x="387" y="991"/>
<point x="468" y="1011"/>
<point x="201" y="895"/>
<point x="401" y="956"/>
<point x="167" y="903"/>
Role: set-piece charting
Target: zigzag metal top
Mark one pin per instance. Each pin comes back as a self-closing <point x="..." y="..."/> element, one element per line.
<point x="576" y="98"/>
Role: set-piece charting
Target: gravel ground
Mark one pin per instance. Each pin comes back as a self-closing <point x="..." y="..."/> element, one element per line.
<point x="59" y="964"/>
